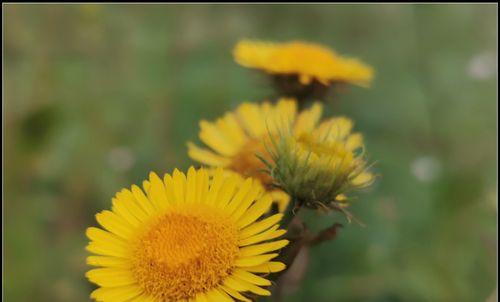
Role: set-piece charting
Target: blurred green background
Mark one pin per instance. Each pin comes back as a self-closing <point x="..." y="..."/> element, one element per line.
<point x="96" y="96"/>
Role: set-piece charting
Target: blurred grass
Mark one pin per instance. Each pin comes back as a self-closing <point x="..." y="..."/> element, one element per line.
<point x="96" y="96"/>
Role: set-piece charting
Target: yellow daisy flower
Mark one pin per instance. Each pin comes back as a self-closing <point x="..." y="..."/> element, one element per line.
<point x="237" y="139"/>
<point x="302" y="69"/>
<point x="318" y="167"/>
<point x="185" y="238"/>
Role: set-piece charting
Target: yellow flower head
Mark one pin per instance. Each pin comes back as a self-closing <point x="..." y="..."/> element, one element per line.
<point x="239" y="138"/>
<point x="185" y="238"/>
<point x="317" y="168"/>
<point x="313" y="66"/>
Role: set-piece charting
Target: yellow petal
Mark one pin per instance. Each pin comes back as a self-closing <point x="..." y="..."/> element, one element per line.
<point x="179" y="186"/>
<point x="202" y="297"/>
<point x="99" y="235"/>
<point x="127" y="198"/>
<point x="156" y="192"/>
<point x="226" y="191"/>
<point x="206" y="157"/>
<point x="191" y="185"/>
<point x="268" y="267"/>
<point x="216" y="139"/>
<point x="229" y="125"/>
<point x="262" y="248"/>
<point x="266" y="235"/>
<point x="260" y="226"/>
<point x="110" y="277"/>
<point x="107" y="249"/>
<point x="240" y="194"/>
<point x="249" y="277"/>
<point x="121" y="210"/>
<point x="307" y="119"/>
<point x="107" y="261"/>
<point x="115" y="224"/>
<point x="215" y="186"/>
<point x="241" y="285"/>
<point x="235" y="294"/>
<point x="251" y="117"/>
<point x="143" y="201"/>
<point x="216" y="295"/>
<point x="201" y="185"/>
<point x="250" y="197"/>
<point x="255" y="211"/>
<point x="254" y="260"/>
<point x="122" y="293"/>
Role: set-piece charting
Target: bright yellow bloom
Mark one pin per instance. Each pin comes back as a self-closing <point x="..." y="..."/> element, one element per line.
<point x="308" y="61"/>
<point x="238" y="138"/>
<point x="318" y="167"/>
<point x="185" y="238"/>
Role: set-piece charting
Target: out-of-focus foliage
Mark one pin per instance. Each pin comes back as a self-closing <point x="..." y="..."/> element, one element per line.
<point x="96" y="96"/>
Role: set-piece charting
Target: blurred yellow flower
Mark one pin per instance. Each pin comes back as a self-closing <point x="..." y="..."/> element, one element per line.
<point x="239" y="138"/>
<point x="317" y="168"/>
<point x="185" y="238"/>
<point x="310" y="63"/>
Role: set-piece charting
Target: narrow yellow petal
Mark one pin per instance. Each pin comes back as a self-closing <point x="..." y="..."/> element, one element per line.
<point x="240" y="194"/>
<point x="215" y="186"/>
<point x="156" y="192"/>
<point x="143" y="200"/>
<point x="121" y="210"/>
<point x="201" y="185"/>
<point x="232" y="129"/>
<point x="127" y="198"/>
<point x="254" y="260"/>
<point x="216" y="295"/>
<point x="241" y="285"/>
<point x="307" y="119"/>
<point x="206" y="157"/>
<point x="266" y="235"/>
<point x="115" y="224"/>
<point x="143" y="298"/>
<point x="255" y="211"/>
<point x="260" y="226"/>
<point x="179" y="186"/>
<point x="106" y="249"/>
<point x="122" y="293"/>
<point x="169" y="188"/>
<point x="226" y="191"/>
<point x="249" y="198"/>
<point x="216" y="139"/>
<point x="252" y="119"/>
<point x="235" y="294"/>
<point x="262" y="248"/>
<point x="268" y="267"/>
<point x="249" y="277"/>
<point x="108" y="261"/>
<point x="191" y="185"/>
<point x="100" y="235"/>
<point x="110" y="277"/>
<point x="202" y="297"/>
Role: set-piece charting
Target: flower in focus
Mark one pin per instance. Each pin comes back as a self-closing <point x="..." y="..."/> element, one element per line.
<point x="185" y="238"/>
<point x="301" y="69"/>
<point x="239" y="138"/>
<point x="317" y="168"/>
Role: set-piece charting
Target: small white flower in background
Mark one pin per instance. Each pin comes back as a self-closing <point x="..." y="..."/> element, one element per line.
<point x="483" y="66"/>
<point x="426" y="168"/>
<point x="121" y="159"/>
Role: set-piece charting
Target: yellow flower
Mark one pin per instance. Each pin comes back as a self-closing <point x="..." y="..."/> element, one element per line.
<point x="301" y="67"/>
<point x="185" y="238"/>
<point x="318" y="167"/>
<point x="238" y="138"/>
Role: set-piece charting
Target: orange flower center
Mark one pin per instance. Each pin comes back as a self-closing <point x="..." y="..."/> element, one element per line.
<point x="183" y="254"/>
